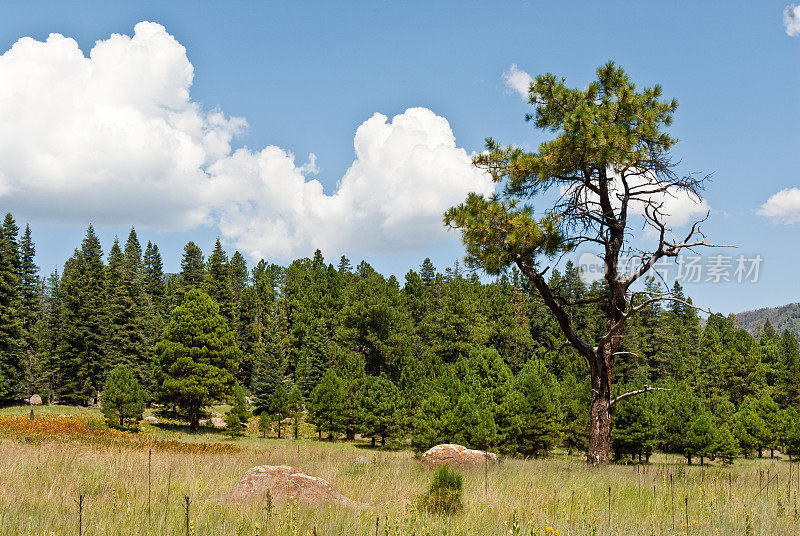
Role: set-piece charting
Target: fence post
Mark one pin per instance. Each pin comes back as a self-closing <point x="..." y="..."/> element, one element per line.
<point x="80" y="514"/>
<point x="186" y="500"/>
<point x="149" y="480"/>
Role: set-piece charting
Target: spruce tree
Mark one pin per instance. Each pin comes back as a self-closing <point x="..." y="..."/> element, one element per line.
<point x="129" y="307"/>
<point x="154" y="284"/>
<point x="31" y="295"/>
<point x="122" y="398"/>
<point x="192" y="274"/>
<point x="12" y="337"/>
<point x="218" y="283"/>
<point x="270" y="371"/>
<point x="198" y="355"/>
<point x="82" y="353"/>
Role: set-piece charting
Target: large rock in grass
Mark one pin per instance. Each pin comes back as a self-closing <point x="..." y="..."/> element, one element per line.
<point x="151" y="419"/>
<point x="36" y="400"/>
<point x="456" y="456"/>
<point x="284" y="482"/>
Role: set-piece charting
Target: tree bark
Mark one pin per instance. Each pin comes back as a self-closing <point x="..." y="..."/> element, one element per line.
<point x="194" y="418"/>
<point x="599" y="450"/>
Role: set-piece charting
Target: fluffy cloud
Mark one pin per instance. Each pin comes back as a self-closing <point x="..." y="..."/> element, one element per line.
<point x="115" y="138"/>
<point x="406" y="172"/>
<point x="518" y="80"/>
<point x="783" y="207"/>
<point x="791" y="20"/>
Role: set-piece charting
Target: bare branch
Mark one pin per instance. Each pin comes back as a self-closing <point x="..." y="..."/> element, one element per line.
<point x="646" y="389"/>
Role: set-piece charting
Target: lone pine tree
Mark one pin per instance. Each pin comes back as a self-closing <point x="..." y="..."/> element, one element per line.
<point x="198" y="355"/>
<point x="611" y="169"/>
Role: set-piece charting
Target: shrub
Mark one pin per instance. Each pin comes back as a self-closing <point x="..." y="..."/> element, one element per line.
<point x="444" y="495"/>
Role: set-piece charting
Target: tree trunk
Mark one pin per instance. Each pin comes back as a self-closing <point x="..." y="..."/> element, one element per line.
<point x="383" y="441"/>
<point x="279" y="428"/>
<point x="373" y="441"/>
<point x="194" y="418"/>
<point x="599" y="451"/>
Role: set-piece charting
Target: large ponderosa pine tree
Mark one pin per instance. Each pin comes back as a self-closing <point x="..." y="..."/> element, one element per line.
<point x="198" y="355"/>
<point x="609" y="163"/>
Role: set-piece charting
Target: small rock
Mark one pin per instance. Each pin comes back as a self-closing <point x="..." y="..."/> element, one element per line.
<point x="456" y="456"/>
<point x="361" y="460"/>
<point x="218" y="422"/>
<point x="151" y="419"/>
<point x="36" y="400"/>
<point x="203" y="422"/>
<point x="285" y="482"/>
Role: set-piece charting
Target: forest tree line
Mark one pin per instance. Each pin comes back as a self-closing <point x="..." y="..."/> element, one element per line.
<point x="439" y="357"/>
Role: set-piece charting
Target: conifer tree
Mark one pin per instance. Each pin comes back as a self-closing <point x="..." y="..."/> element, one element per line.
<point x="635" y="428"/>
<point x="702" y="436"/>
<point x="122" y="398"/>
<point x="427" y="272"/>
<point x="279" y="407"/>
<point x="344" y="265"/>
<point x="239" y="276"/>
<point x="12" y="339"/>
<point x="153" y="278"/>
<point x="238" y="414"/>
<point x="326" y="405"/>
<point x="31" y="306"/>
<point x="198" y="355"/>
<point x="270" y="371"/>
<point x="296" y="404"/>
<point x="378" y="408"/>
<point x="218" y="283"/>
<point x="129" y="307"/>
<point x="192" y="275"/>
<point x="82" y="351"/>
<point x="529" y="416"/>
<point x="313" y="358"/>
<point x="726" y="447"/>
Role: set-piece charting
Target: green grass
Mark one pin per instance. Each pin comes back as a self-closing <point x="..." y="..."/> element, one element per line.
<point x="41" y="479"/>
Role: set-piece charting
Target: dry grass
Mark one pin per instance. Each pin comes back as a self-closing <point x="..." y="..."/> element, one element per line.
<point x="41" y="479"/>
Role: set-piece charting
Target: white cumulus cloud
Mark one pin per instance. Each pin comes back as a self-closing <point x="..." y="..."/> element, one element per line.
<point x="111" y="137"/>
<point x="116" y="138"/>
<point x="518" y="80"/>
<point x="407" y="171"/>
<point x="783" y="207"/>
<point x="791" y="20"/>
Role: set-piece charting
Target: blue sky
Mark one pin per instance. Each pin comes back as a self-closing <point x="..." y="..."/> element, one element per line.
<point x="306" y="75"/>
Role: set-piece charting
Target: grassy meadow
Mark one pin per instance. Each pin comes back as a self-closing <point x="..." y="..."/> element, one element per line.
<point x="47" y="464"/>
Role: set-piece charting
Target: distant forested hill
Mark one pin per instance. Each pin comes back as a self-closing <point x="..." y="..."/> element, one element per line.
<point x="781" y="318"/>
